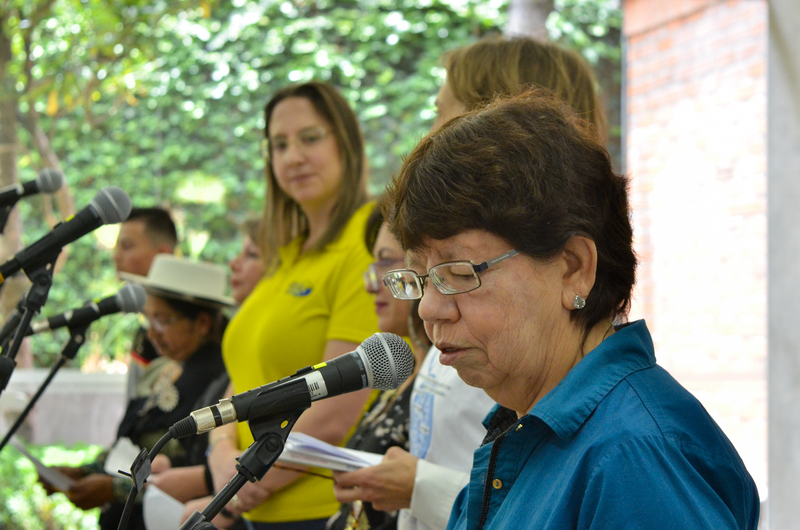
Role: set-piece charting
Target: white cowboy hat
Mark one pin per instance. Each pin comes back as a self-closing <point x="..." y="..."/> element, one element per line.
<point x="198" y="282"/>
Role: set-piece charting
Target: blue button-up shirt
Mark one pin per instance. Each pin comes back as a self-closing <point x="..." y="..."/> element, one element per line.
<point x="617" y="444"/>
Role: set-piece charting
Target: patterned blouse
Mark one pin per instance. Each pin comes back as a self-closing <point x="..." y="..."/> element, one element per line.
<point x="384" y="425"/>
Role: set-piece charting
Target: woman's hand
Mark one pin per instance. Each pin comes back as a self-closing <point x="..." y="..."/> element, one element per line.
<point x="72" y="472"/>
<point x="91" y="491"/>
<point x="388" y="486"/>
<point x="250" y="496"/>
<point x="198" y="505"/>
<point x="160" y="464"/>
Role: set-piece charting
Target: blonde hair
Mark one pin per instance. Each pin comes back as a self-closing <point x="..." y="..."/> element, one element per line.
<point x="283" y="219"/>
<point x="502" y="66"/>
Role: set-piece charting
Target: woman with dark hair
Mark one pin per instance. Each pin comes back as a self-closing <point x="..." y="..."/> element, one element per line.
<point x="310" y="307"/>
<point x="520" y="251"/>
<point x="446" y="413"/>
<point x="386" y="423"/>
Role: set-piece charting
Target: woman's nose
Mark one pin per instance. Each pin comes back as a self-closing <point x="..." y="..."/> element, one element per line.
<point x="437" y="307"/>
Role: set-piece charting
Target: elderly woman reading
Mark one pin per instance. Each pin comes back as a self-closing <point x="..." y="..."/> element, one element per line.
<point x="520" y="250"/>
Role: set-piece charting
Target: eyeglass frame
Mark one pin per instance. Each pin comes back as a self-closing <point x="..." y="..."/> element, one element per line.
<point x="324" y="133"/>
<point x="160" y="325"/>
<point x="370" y="275"/>
<point x="420" y="279"/>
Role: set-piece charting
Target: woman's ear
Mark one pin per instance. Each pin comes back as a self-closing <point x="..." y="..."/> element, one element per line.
<point x="580" y="256"/>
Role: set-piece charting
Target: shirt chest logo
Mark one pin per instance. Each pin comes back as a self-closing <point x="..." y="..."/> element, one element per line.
<point x="299" y="289"/>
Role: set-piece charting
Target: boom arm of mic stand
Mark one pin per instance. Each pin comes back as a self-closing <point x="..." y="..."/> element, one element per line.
<point x="4" y="213"/>
<point x="76" y="338"/>
<point x="42" y="279"/>
<point x="270" y="432"/>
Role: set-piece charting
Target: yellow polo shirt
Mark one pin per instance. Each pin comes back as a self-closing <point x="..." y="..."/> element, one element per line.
<point x="284" y="325"/>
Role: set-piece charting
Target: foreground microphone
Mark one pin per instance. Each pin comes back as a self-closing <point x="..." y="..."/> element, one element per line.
<point x="48" y="181"/>
<point x="129" y="299"/>
<point x="383" y="361"/>
<point x="110" y="205"/>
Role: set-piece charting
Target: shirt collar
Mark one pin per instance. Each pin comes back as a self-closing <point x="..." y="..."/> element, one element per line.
<point x="569" y="404"/>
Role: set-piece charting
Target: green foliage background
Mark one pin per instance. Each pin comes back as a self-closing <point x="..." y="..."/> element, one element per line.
<point x="164" y="99"/>
<point x="173" y="113"/>
<point x="24" y="504"/>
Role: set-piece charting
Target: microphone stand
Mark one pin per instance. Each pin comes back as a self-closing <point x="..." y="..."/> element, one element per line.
<point x="12" y="323"/>
<point x="42" y="278"/>
<point x="4" y="213"/>
<point x="270" y="430"/>
<point x="76" y="339"/>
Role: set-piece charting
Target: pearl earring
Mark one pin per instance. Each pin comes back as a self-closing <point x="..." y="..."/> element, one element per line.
<point x="579" y="302"/>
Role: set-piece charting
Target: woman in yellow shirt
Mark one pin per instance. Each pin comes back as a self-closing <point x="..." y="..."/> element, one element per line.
<point x="311" y="305"/>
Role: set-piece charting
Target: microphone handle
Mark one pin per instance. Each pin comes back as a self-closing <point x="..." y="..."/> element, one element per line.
<point x="344" y="374"/>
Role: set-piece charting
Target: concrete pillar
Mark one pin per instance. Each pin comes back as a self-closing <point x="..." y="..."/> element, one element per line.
<point x="783" y="228"/>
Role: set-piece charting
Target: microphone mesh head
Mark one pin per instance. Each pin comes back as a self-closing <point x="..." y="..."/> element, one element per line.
<point x="389" y="360"/>
<point x="49" y="180"/>
<point x="112" y="205"/>
<point x="131" y="298"/>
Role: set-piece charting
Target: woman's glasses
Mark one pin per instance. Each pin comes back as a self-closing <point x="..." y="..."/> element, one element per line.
<point x="452" y="277"/>
<point x="375" y="271"/>
<point x="305" y="139"/>
<point x="160" y="323"/>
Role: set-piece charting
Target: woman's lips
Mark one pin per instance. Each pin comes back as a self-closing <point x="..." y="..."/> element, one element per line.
<point x="301" y="179"/>
<point x="448" y="356"/>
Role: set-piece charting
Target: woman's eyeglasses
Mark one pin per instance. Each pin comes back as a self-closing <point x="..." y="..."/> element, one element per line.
<point x="375" y="271"/>
<point x="306" y="139"/>
<point x="452" y="277"/>
<point x="160" y="324"/>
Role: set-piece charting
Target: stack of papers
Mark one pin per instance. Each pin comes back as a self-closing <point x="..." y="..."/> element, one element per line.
<point x="308" y="451"/>
<point x="58" y="480"/>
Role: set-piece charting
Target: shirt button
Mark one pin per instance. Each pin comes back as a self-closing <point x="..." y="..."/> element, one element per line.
<point x="519" y="426"/>
<point x="497" y="483"/>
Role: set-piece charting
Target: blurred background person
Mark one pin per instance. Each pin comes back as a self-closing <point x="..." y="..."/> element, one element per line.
<point x="185" y="324"/>
<point x="385" y="424"/>
<point x="194" y="481"/>
<point x="311" y="305"/>
<point x="146" y="233"/>
<point x="446" y="413"/>
<point x="530" y="271"/>
<point x="247" y="268"/>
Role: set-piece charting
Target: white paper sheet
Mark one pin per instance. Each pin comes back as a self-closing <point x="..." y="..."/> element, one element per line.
<point x="161" y="511"/>
<point x="121" y="457"/>
<point x="306" y="450"/>
<point x="56" y="478"/>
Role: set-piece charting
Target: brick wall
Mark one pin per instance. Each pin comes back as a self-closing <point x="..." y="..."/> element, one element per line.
<point x="696" y="153"/>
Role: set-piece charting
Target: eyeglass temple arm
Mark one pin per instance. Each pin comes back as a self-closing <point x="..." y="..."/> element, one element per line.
<point x="486" y="264"/>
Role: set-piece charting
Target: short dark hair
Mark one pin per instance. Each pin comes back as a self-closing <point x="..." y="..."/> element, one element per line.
<point x="158" y="225"/>
<point x="528" y="170"/>
<point x="192" y="311"/>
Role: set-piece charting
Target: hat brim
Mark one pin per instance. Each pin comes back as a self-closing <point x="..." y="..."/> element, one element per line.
<point x="165" y="291"/>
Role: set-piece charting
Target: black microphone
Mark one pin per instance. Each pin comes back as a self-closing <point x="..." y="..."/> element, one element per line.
<point x="110" y="205"/>
<point x="129" y="299"/>
<point x="383" y="361"/>
<point x="48" y="181"/>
